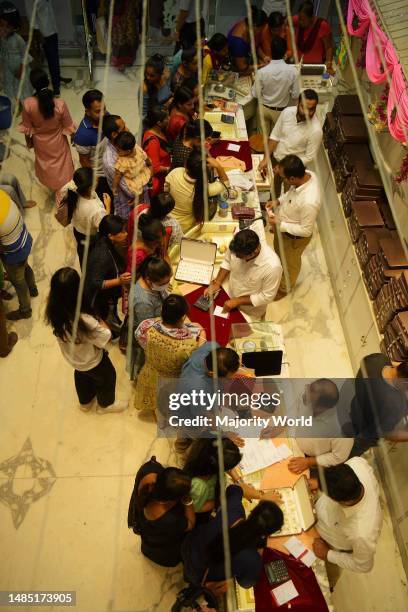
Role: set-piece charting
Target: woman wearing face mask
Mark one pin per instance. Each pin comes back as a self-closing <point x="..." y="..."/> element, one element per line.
<point x="146" y="299"/>
<point x="151" y="289"/>
<point x="190" y="139"/>
<point x="168" y="342"/>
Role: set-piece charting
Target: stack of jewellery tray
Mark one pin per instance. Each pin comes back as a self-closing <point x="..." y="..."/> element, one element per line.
<point x="229" y="131"/>
<point x="262" y="184"/>
<point x="218" y="232"/>
<point x="297" y="505"/>
<point x="257" y="336"/>
<point x="243" y="86"/>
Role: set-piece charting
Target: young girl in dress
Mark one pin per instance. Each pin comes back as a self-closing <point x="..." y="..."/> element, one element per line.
<point x="12" y="50"/>
<point x="132" y="163"/>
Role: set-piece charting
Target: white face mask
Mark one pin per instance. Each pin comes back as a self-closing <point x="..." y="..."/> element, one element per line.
<point x="160" y="288"/>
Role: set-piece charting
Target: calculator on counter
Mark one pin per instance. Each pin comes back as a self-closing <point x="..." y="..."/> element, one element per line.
<point x="276" y="572"/>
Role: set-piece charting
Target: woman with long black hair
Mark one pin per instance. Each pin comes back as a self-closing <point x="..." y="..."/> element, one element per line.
<point x="203" y="550"/>
<point x="84" y="208"/>
<point x="105" y="272"/>
<point x="83" y="346"/>
<point x="156" y="146"/>
<point x="182" y="110"/>
<point x="186" y="185"/>
<point x="161" y="511"/>
<point x="46" y="123"/>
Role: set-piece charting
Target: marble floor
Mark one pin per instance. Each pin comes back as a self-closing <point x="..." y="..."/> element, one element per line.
<point x="66" y="476"/>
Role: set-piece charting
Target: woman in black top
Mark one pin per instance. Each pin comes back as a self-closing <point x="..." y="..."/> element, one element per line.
<point x="203" y="551"/>
<point x="161" y="512"/>
<point x="105" y="274"/>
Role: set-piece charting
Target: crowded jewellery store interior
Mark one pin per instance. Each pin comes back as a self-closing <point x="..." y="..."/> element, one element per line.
<point x="204" y="305"/>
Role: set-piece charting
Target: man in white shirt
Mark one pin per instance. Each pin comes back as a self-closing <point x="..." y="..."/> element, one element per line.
<point x="278" y="85"/>
<point x="253" y="271"/>
<point x="327" y="446"/>
<point x="44" y="21"/>
<point x="294" y="134"/>
<point x="293" y="215"/>
<point x="349" y="516"/>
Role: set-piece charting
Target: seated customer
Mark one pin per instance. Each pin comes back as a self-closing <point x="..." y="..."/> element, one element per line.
<point x="187" y="68"/>
<point x="161" y="512"/>
<point x="324" y="445"/>
<point x="187" y="188"/>
<point x="160" y="208"/>
<point x="254" y="273"/>
<point x="203" y="551"/>
<point x="189" y="140"/>
<point x="349" y="516"/>
<point x="167" y="342"/>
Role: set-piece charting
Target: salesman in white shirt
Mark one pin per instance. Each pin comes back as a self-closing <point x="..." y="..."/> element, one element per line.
<point x="294" y="215"/>
<point x="253" y="271"/>
<point x="294" y="134"/>
<point x="349" y="516"/>
<point x="328" y="446"/>
<point x="44" y="21"/>
<point x="278" y="84"/>
<point x="187" y="20"/>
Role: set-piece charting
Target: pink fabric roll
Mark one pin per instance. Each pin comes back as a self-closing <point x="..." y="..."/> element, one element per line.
<point x="397" y="108"/>
<point x="380" y="55"/>
<point x="358" y="10"/>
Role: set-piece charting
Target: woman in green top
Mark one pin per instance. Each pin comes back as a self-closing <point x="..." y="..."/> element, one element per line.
<point x="202" y="466"/>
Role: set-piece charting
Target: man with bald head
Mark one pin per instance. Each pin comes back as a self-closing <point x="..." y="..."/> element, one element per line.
<point x="319" y="401"/>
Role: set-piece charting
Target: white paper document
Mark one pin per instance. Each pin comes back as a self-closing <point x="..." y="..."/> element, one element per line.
<point x="233" y="147"/>
<point x="259" y="454"/>
<point x="299" y="551"/>
<point x="284" y="592"/>
<point x="218" y="312"/>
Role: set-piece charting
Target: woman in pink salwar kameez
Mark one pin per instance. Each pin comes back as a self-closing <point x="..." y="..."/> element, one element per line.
<point x="46" y="123"/>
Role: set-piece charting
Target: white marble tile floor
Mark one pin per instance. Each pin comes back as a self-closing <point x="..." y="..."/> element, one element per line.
<point x="66" y="488"/>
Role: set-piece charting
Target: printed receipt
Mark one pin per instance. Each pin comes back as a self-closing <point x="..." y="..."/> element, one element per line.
<point x="299" y="551"/>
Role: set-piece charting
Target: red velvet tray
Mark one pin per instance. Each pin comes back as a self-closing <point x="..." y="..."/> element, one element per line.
<point x="222" y="326"/>
<point x="221" y="148"/>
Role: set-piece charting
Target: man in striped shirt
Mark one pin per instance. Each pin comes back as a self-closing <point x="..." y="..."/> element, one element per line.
<point x="15" y="247"/>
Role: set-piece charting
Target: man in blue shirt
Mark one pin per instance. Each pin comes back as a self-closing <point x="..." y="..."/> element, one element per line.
<point x="89" y="144"/>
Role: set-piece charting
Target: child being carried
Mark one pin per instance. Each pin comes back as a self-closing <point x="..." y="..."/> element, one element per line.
<point x="132" y="163"/>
